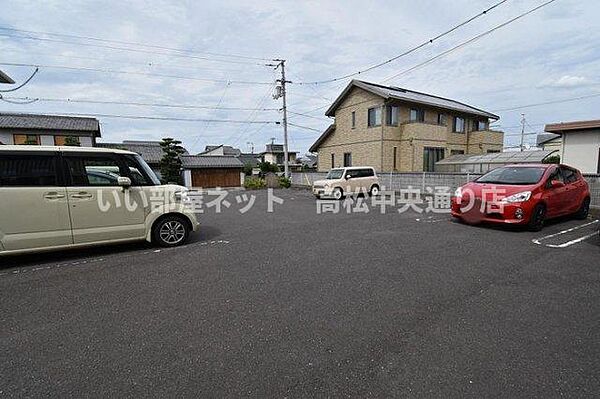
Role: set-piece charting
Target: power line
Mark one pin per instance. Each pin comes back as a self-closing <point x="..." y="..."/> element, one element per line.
<point x="129" y="49"/>
<point x="305" y="127"/>
<point x="22" y="84"/>
<point x="159" y="118"/>
<point x="86" y="69"/>
<point x="90" y="38"/>
<point x="308" y="116"/>
<point x="564" y="100"/>
<point x="140" y="104"/>
<point x="463" y="44"/>
<point x="407" y="52"/>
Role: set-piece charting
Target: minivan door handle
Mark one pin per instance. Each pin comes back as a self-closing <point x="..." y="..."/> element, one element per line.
<point x="82" y="195"/>
<point x="53" y="196"/>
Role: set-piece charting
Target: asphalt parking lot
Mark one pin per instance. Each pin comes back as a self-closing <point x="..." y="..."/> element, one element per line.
<point x="299" y="304"/>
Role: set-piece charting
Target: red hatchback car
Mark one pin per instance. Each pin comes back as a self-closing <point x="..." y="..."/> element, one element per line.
<point x="524" y="194"/>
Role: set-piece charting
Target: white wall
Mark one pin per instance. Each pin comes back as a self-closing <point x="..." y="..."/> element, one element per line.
<point x="46" y="139"/>
<point x="580" y="150"/>
<point x="187" y="178"/>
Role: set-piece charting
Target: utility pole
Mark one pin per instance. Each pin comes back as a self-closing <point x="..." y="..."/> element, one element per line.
<point x="522" y="131"/>
<point x="281" y="92"/>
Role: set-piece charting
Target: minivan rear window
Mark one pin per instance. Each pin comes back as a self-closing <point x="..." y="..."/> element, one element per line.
<point x="28" y="170"/>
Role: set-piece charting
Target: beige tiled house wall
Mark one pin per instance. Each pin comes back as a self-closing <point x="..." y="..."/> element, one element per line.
<point x="368" y="144"/>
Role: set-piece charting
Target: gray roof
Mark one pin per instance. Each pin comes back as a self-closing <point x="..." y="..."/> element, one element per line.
<point x="496" y="158"/>
<point x="252" y="159"/>
<point x="150" y="151"/>
<point x="227" y="150"/>
<point x="546" y="137"/>
<point x="210" y="161"/>
<point x="399" y="93"/>
<point x="49" y="122"/>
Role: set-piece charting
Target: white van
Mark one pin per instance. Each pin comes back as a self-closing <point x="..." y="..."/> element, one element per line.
<point x="347" y="181"/>
<point x="65" y="197"/>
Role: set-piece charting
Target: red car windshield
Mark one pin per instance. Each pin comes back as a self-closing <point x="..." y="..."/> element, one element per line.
<point x="513" y="175"/>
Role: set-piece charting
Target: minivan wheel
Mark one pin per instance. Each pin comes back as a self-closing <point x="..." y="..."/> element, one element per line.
<point x="584" y="210"/>
<point x="170" y="231"/>
<point x="338" y="194"/>
<point x="374" y="191"/>
<point x="536" y="223"/>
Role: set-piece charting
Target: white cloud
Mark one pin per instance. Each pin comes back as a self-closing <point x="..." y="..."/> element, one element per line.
<point x="568" y="81"/>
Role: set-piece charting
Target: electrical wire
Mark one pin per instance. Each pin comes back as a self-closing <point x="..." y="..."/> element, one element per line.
<point x="140" y="104"/>
<point x="130" y="49"/>
<point x="90" y="38"/>
<point x="22" y="84"/>
<point x="466" y="43"/>
<point x="407" y="52"/>
<point x="305" y="127"/>
<point x="86" y="69"/>
<point x="564" y="100"/>
<point x="159" y="118"/>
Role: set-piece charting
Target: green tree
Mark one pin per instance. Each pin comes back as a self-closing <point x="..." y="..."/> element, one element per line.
<point x="72" y="141"/>
<point x="555" y="158"/>
<point x="266" y="167"/>
<point x="170" y="164"/>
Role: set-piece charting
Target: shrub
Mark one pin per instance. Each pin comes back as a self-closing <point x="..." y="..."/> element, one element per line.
<point x="248" y="169"/>
<point x="285" y="182"/>
<point x="254" y="183"/>
<point x="266" y="167"/>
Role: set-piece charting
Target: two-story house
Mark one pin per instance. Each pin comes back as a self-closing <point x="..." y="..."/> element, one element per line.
<point x="33" y="129"/>
<point x="274" y="154"/>
<point x="394" y="129"/>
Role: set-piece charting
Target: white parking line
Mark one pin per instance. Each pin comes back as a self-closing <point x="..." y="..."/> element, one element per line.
<point x="538" y="241"/>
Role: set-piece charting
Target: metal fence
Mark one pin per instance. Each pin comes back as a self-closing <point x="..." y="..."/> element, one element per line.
<point x="420" y="180"/>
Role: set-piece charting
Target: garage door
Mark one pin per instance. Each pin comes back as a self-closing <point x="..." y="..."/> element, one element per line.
<point x="216" y="177"/>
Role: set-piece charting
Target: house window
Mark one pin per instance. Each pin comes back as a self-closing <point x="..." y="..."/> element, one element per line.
<point x="431" y="155"/>
<point x="391" y="117"/>
<point x="374" y="117"/>
<point x="481" y="125"/>
<point x="459" y="125"/>
<point x="353" y="119"/>
<point x="394" y="159"/>
<point x="441" y="120"/>
<point x="26" y="139"/>
<point x="417" y="115"/>
<point x="347" y="159"/>
<point x="457" y="152"/>
<point x="492" y="151"/>
<point x="332" y="161"/>
<point x="67" y="140"/>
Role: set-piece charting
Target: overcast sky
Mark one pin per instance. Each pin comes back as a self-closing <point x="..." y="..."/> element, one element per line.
<point x="552" y="54"/>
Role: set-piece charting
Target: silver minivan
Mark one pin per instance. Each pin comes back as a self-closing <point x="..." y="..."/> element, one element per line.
<point x="64" y="197"/>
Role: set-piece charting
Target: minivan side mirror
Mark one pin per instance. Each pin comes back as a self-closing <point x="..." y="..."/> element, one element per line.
<point x="124" y="182"/>
<point x="348" y="177"/>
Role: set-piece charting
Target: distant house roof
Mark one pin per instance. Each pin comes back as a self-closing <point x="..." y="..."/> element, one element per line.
<point x="543" y="138"/>
<point x="309" y="160"/>
<point x="249" y="159"/>
<point x="50" y="122"/>
<point x="227" y="150"/>
<point x="210" y="161"/>
<point x="315" y="147"/>
<point x="4" y="78"/>
<point x="571" y="126"/>
<point x="398" y="93"/>
<point x="496" y="158"/>
<point x="275" y="149"/>
<point x="150" y="151"/>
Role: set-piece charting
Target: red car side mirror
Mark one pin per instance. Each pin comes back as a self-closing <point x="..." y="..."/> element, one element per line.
<point x="556" y="184"/>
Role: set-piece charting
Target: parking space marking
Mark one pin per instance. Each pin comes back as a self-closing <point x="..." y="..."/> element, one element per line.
<point x="538" y="241"/>
<point x="431" y="219"/>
